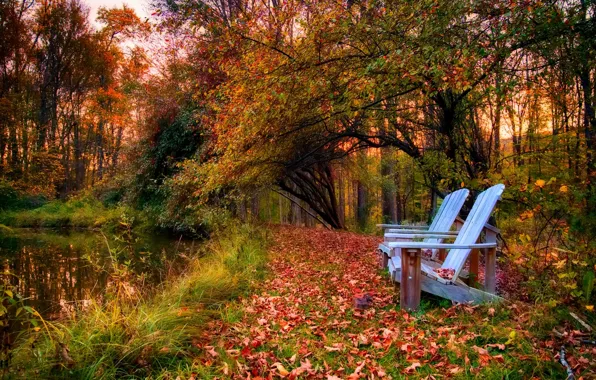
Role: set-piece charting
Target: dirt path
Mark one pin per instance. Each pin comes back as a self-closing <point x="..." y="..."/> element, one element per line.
<point x="302" y="322"/>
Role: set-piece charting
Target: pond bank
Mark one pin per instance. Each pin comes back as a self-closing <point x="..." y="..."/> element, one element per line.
<point x="134" y="335"/>
<point x="57" y="271"/>
<point x="83" y="213"/>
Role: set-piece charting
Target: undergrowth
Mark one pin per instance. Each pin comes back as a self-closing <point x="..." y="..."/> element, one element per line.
<point x="79" y="212"/>
<point x="132" y="334"/>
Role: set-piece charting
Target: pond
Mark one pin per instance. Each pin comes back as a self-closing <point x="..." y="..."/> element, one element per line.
<point x="62" y="271"/>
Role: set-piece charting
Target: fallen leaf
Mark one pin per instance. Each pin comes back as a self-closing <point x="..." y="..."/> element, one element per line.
<point x="412" y="369"/>
<point x="480" y="350"/>
<point x="497" y="345"/>
<point x="281" y="369"/>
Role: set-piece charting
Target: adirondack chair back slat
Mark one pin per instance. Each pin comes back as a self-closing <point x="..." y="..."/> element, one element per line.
<point x="448" y="212"/>
<point x="470" y="231"/>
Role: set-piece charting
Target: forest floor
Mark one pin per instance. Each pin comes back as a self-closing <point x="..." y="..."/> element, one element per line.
<point x="302" y="322"/>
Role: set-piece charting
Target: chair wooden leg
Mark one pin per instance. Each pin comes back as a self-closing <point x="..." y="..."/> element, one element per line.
<point x="473" y="278"/>
<point x="442" y="253"/>
<point x="383" y="259"/>
<point x="490" y="271"/>
<point x="410" y="279"/>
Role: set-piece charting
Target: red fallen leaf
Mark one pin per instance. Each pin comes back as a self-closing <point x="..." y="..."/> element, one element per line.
<point x="262" y="321"/>
<point x="363" y="340"/>
<point x="583" y="360"/>
<point x="305" y="366"/>
<point x="480" y="350"/>
<point x="412" y="369"/>
<point x="245" y="351"/>
<point x="446" y="273"/>
<point x="356" y="374"/>
<point x="407" y="347"/>
<point x="211" y="351"/>
<point x="418" y="354"/>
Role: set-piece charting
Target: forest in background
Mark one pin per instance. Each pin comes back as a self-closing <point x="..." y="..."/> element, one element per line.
<point x="344" y="114"/>
<point x="219" y="118"/>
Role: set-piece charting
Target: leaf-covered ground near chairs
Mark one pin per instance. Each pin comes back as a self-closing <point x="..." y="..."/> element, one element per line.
<point x="327" y="311"/>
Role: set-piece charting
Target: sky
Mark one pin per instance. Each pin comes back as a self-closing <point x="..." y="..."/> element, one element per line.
<point x="141" y="7"/>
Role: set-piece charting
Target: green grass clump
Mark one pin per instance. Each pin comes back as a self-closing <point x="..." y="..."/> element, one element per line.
<point x="80" y="212"/>
<point x="138" y="336"/>
<point x="4" y="230"/>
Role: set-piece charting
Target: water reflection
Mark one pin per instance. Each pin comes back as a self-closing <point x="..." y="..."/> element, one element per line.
<point x="60" y="272"/>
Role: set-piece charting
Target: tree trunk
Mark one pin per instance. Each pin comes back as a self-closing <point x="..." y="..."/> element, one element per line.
<point x="361" y="213"/>
<point x="255" y="206"/>
<point x="342" y="198"/>
<point x="388" y="190"/>
<point x="497" y="127"/>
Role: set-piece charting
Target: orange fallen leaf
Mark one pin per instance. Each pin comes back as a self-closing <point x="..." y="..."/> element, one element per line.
<point x="281" y="369"/>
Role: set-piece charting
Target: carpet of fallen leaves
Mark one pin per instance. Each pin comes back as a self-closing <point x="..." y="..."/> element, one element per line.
<point x="327" y="311"/>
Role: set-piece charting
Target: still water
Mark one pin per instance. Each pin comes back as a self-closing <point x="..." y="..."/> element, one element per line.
<point x="61" y="271"/>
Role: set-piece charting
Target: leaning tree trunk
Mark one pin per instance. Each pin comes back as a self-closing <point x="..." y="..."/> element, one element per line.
<point x="315" y="186"/>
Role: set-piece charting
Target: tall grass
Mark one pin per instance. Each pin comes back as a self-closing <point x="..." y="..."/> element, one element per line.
<point x="148" y="336"/>
<point x="5" y="230"/>
<point x="80" y="212"/>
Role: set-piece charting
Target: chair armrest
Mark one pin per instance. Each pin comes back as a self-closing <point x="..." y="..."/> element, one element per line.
<point x="402" y="226"/>
<point x="419" y="236"/>
<point x="392" y="231"/>
<point x="424" y="245"/>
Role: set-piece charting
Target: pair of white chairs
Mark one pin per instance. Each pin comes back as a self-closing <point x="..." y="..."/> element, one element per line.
<point x="443" y="272"/>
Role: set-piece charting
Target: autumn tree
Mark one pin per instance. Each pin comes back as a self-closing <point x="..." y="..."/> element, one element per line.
<point x="344" y="79"/>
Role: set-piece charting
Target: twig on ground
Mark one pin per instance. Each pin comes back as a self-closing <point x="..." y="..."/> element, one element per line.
<point x="581" y="321"/>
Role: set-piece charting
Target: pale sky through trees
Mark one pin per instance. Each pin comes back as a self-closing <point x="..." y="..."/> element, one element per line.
<point x="141" y="7"/>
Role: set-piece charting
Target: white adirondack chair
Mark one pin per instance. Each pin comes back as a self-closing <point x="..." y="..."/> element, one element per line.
<point x="407" y="267"/>
<point x="441" y="223"/>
